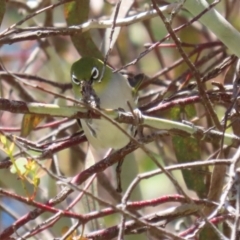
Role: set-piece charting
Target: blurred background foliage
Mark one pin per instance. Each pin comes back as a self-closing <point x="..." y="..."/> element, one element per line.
<point x="51" y="57"/>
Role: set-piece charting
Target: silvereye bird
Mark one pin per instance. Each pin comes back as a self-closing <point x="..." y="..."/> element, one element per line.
<point x="96" y="84"/>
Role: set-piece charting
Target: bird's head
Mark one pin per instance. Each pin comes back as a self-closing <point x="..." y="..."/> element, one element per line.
<point x="89" y="72"/>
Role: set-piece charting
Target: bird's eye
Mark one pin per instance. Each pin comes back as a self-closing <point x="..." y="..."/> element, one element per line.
<point x="94" y="73"/>
<point x="75" y="80"/>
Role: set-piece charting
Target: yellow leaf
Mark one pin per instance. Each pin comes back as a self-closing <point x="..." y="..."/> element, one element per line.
<point x="3" y="140"/>
<point x="64" y="230"/>
<point x="19" y="166"/>
<point x="73" y="236"/>
<point x="30" y="122"/>
<point x="11" y="148"/>
<point x="31" y="166"/>
<point x="36" y="181"/>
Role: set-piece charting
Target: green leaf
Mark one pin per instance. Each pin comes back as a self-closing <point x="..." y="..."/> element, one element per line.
<point x="188" y="149"/>
<point x="77" y="13"/>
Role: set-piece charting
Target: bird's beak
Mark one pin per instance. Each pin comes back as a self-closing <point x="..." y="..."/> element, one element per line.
<point x="89" y="96"/>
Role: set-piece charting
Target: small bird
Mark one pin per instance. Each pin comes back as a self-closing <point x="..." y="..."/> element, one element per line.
<point x="95" y="84"/>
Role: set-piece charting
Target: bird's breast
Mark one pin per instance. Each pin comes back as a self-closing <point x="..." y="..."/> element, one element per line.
<point x="102" y="134"/>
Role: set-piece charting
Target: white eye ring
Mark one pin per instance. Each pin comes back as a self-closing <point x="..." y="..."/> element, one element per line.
<point x="75" y="80"/>
<point x="94" y="73"/>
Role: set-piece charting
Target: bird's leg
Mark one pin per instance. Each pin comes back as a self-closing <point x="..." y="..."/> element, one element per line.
<point x="118" y="174"/>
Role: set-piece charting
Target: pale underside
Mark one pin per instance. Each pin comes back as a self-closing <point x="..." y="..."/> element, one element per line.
<point x="101" y="133"/>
